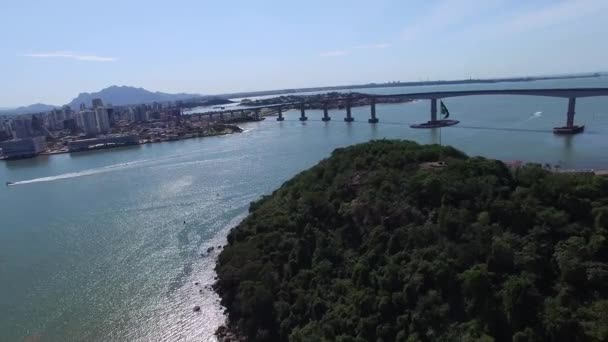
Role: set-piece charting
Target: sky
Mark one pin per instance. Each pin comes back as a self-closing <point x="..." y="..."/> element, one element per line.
<point x="52" y="50"/>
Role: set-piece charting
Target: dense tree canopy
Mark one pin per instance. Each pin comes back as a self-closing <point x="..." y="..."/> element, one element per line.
<point x="375" y="244"/>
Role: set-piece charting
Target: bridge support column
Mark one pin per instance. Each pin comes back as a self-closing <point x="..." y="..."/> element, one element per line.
<point x="373" y="119"/>
<point x="433" y="110"/>
<point x="570" y="127"/>
<point x="571" y="112"/>
<point x="303" y="112"/>
<point x="325" y="114"/>
<point x="349" y="117"/>
<point x="280" y="111"/>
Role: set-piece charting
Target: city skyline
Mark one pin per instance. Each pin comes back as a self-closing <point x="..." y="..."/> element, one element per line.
<point x="211" y="48"/>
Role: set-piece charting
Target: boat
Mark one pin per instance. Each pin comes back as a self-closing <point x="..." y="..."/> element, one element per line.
<point x="568" y="129"/>
<point x="436" y="124"/>
<point x="9" y="183"/>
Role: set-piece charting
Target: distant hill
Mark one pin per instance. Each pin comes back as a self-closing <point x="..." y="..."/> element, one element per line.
<point x="31" y="109"/>
<point x="125" y="95"/>
<point x="380" y="242"/>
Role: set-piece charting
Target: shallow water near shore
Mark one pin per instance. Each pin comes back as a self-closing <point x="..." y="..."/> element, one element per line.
<point x="105" y="246"/>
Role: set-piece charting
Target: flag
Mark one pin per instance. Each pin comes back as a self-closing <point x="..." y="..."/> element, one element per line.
<point x="444" y="111"/>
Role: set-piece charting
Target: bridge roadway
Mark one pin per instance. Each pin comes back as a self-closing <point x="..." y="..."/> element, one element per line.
<point x="570" y="93"/>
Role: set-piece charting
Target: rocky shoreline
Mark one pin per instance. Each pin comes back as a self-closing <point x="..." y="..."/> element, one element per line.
<point x="226" y="334"/>
<point x="333" y="100"/>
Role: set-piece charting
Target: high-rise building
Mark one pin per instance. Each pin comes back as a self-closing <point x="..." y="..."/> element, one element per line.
<point x="87" y="121"/>
<point x="139" y="113"/>
<point x="67" y="112"/>
<point x="103" y="120"/>
<point x="22" y="128"/>
<point x="54" y="119"/>
<point x="5" y="129"/>
<point x="111" y="115"/>
<point x="82" y="107"/>
<point x="97" y="103"/>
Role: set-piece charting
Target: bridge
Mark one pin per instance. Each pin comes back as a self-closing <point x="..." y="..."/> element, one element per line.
<point x="569" y="93"/>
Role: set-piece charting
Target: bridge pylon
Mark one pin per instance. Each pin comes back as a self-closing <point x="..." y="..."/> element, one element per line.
<point x="326" y="116"/>
<point x="280" y="112"/>
<point x="349" y="116"/>
<point x="570" y="127"/>
<point x="373" y="118"/>
<point x="303" y="116"/>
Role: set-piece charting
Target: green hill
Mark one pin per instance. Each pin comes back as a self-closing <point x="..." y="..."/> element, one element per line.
<point x="375" y="244"/>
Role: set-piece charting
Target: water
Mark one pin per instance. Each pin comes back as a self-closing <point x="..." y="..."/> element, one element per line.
<point x="93" y="246"/>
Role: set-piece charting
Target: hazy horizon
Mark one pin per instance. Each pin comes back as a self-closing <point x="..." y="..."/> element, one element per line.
<point x="315" y="86"/>
<point x="68" y="47"/>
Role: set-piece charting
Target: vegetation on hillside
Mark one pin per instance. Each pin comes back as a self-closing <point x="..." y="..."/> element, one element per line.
<point x="374" y="245"/>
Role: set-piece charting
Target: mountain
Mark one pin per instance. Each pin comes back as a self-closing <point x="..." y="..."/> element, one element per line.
<point x="31" y="109"/>
<point x="125" y="95"/>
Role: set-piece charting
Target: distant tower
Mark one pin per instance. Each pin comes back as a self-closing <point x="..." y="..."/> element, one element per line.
<point x="82" y="107"/>
<point x="102" y="119"/>
<point x="97" y="103"/>
<point x="87" y="121"/>
<point x="111" y="116"/>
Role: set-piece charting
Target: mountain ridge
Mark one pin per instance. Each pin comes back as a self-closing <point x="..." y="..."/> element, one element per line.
<point x="116" y="95"/>
<point x="127" y="95"/>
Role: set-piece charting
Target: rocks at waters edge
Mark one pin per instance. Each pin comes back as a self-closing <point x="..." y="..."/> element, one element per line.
<point x="224" y="335"/>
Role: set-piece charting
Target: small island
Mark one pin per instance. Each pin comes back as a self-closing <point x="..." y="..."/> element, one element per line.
<point x="396" y="241"/>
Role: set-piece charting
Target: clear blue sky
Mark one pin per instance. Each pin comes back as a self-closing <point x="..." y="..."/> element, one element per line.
<point x="52" y="50"/>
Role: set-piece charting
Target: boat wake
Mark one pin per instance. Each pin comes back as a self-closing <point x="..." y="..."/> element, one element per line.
<point x="122" y="166"/>
<point x="79" y="173"/>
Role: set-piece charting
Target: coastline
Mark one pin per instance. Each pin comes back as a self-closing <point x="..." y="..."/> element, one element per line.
<point x="230" y="129"/>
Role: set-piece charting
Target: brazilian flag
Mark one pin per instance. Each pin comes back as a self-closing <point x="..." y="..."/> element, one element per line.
<point x="444" y="110"/>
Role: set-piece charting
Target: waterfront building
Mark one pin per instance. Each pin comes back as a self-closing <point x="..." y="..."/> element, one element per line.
<point x="22" y="148"/>
<point x="103" y="142"/>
